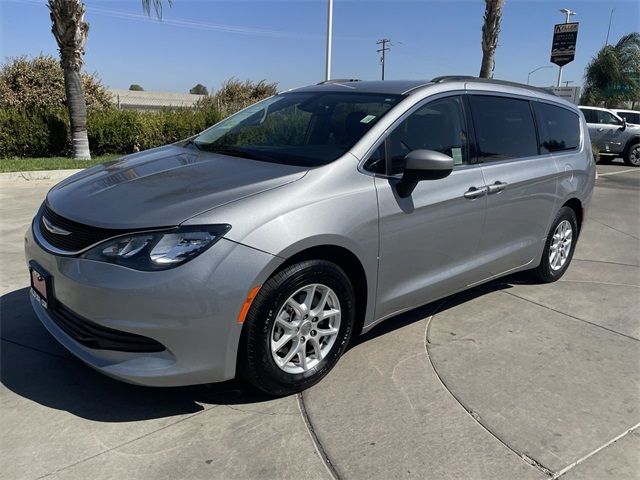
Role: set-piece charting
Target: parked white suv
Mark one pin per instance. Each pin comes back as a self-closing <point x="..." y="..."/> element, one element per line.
<point x="612" y="135"/>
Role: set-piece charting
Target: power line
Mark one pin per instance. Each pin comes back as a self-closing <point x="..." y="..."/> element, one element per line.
<point x="183" y="23"/>
<point x="383" y="50"/>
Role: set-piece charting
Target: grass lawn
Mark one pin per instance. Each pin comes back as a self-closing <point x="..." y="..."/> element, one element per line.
<point x="50" y="163"/>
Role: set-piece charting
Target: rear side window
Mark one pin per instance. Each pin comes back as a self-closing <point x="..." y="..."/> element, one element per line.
<point x="630" y="117"/>
<point x="559" y="128"/>
<point x="504" y="127"/>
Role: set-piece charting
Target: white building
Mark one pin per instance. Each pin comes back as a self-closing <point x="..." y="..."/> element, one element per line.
<point x="134" y="100"/>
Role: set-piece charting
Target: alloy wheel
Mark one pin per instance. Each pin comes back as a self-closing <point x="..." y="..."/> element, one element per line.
<point x="305" y="329"/>
<point x="560" y="245"/>
<point x="634" y="155"/>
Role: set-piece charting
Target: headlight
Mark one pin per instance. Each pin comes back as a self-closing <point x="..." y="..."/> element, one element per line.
<point x="157" y="250"/>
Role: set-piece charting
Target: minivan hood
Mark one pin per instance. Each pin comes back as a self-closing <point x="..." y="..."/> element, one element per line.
<point x="163" y="187"/>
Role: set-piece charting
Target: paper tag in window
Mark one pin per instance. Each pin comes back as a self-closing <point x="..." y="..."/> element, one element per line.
<point x="367" y="119"/>
<point x="456" y="153"/>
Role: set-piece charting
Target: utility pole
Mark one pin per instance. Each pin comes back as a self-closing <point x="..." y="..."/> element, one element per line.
<point x="382" y="50"/>
<point x="327" y="67"/>
<point x="568" y="13"/>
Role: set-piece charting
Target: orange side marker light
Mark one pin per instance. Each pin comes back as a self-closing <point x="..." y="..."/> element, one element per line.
<point x="247" y="303"/>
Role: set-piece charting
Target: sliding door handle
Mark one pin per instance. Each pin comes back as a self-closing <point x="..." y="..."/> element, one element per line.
<point x="475" y="192"/>
<point x="496" y="187"/>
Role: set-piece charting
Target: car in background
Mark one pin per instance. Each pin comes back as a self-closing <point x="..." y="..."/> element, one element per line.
<point x="630" y="116"/>
<point x="613" y="136"/>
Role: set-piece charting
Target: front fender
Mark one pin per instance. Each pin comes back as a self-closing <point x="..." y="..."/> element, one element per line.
<point x="334" y="205"/>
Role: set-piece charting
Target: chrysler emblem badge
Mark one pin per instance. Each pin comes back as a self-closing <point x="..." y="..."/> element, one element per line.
<point x="53" y="228"/>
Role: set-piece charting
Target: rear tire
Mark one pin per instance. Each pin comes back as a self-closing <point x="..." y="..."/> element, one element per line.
<point x="290" y="342"/>
<point x="559" y="247"/>
<point x="632" y="155"/>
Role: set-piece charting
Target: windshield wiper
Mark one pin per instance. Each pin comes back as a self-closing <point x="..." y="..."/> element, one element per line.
<point x="236" y="152"/>
<point x="190" y="141"/>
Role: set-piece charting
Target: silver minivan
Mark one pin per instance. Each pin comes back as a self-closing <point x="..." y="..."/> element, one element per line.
<point x="263" y="245"/>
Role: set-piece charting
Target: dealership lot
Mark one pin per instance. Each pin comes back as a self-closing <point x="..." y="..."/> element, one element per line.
<point x="509" y="380"/>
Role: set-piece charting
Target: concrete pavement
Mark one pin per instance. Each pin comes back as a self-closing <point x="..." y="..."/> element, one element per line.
<point x="510" y="380"/>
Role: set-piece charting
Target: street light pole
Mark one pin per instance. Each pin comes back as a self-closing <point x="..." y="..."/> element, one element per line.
<point x="568" y="13"/>
<point x="535" y="70"/>
<point x="327" y="68"/>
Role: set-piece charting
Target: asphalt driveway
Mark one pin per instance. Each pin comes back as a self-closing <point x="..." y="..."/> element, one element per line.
<point x="509" y="380"/>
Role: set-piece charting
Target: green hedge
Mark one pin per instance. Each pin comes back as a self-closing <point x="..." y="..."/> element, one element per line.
<point x="28" y="133"/>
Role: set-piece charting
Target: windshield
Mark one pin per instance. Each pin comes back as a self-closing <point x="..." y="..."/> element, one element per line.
<point x="304" y="128"/>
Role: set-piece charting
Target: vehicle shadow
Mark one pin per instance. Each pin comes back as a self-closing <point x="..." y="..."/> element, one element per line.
<point x="34" y="366"/>
<point x="442" y="305"/>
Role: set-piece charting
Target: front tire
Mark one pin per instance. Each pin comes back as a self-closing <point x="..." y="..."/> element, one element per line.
<point x="632" y="155"/>
<point x="297" y="328"/>
<point x="559" y="247"/>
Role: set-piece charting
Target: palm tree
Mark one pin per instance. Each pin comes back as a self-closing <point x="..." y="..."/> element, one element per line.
<point x="490" y="32"/>
<point x="612" y="77"/>
<point x="70" y="31"/>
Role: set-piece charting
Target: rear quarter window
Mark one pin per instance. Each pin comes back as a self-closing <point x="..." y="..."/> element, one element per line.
<point x="559" y="128"/>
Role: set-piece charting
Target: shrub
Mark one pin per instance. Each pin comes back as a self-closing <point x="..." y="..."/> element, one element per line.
<point x="235" y="95"/>
<point x="113" y="131"/>
<point x="43" y="128"/>
<point x="180" y="124"/>
<point x="33" y="133"/>
<point x="39" y="83"/>
<point x="126" y="131"/>
<point x="596" y="152"/>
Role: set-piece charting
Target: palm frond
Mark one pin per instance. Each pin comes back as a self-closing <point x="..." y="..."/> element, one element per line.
<point x="157" y="7"/>
<point x="611" y="77"/>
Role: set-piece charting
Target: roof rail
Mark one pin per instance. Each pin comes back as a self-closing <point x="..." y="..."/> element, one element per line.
<point x="452" y="78"/>
<point x="339" y="80"/>
<point x="462" y="78"/>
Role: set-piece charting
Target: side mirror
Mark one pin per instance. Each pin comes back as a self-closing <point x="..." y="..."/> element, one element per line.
<point x="624" y="124"/>
<point x="423" y="165"/>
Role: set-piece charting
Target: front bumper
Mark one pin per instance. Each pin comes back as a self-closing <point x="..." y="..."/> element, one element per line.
<point x="191" y="310"/>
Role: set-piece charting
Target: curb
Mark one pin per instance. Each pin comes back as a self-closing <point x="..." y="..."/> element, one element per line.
<point x="38" y="175"/>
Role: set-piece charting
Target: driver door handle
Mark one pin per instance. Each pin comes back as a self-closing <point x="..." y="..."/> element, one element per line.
<point x="601" y="129"/>
<point x="475" y="192"/>
<point x="496" y="187"/>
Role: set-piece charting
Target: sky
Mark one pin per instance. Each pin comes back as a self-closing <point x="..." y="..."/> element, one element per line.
<point x="208" y="41"/>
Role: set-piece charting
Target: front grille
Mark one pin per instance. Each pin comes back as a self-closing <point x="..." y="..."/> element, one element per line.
<point x="98" y="337"/>
<point x="80" y="236"/>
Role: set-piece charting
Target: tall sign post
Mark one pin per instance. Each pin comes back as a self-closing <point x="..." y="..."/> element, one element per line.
<point x="563" y="47"/>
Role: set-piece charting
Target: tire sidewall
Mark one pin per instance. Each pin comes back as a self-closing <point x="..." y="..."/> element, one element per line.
<point x="627" y="157"/>
<point x="568" y="214"/>
<point x="258" y="361"/>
